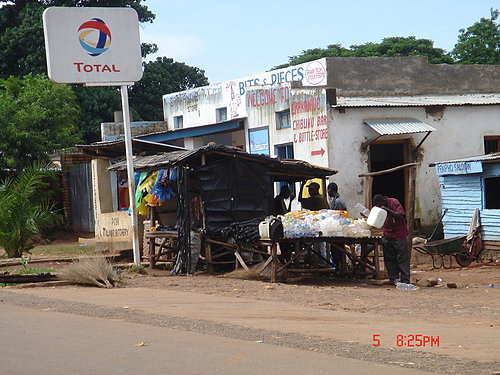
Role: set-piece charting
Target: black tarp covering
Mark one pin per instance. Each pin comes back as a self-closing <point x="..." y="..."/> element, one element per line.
<point x="234" y="190"/>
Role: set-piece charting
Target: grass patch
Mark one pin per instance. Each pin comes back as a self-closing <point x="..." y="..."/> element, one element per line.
<point x="136" y="269"/>
<point x="62" y="250"/>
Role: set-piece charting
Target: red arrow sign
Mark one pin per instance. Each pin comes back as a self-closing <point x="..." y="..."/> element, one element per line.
<point x="318" y="152"/>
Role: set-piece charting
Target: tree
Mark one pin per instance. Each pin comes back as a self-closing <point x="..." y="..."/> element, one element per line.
<point x="37" y="117"/>
<point x="402" y="46"/>
<point x="22" y="51"/>
<point x="22" y="47"/>
<point x="22" y="212"/>
<point x="162" y="76"/>
<point x="480" y="43"/>
<point x="389" y="47"/>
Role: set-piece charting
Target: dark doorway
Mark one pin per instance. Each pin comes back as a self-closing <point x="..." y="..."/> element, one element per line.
<point x="385" y="156"/>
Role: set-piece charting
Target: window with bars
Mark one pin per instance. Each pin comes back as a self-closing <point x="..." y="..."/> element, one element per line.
<point x="491" y="144"/>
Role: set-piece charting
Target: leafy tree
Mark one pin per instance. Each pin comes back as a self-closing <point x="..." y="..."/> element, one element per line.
<point x="22" y="51"/>
<point x="389" y="47"/>
<point x="36" y="117"/>
<point x="22" y="213"/>
<point x="480" y="43"/>
<point x="98" y="105"/>
<point x="402" y="46"/>
<point x="22" y="47"/>
<point x="162" y="76"/>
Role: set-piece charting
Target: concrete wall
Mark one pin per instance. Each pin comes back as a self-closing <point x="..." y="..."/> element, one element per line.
<point x="113" y="229"/>
<point x="459" y="133"/>
<point x="379" y="76"/>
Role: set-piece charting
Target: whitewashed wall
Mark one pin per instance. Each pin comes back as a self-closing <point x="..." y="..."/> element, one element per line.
<point x="459" y="133"/>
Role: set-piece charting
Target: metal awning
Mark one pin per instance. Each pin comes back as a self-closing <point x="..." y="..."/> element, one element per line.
<point x="195" y="131"/>
<point x="397" y="126"/>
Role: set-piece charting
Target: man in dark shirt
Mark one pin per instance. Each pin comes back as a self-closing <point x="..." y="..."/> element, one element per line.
<point x="395" y="241"/>
<point x="280" y="207"/>
<point x="336" y="203"/>
<point x="315" y="202"/>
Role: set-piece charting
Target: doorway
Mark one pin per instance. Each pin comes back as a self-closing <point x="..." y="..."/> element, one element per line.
<point x="386" y="155"/>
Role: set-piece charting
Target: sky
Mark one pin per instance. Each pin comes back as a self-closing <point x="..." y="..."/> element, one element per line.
<point x="231" y="39"/>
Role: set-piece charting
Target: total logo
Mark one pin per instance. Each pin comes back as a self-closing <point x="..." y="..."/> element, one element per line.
<point x="95" y="39"/>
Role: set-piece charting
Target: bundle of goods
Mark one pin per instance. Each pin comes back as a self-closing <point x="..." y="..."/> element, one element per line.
<point x="327" y="223"/>
<point x="243" y="231"/>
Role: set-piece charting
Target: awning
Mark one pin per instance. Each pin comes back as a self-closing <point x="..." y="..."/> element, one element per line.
<point x="397" y="126"/>
<point x="117" y="147"/>
<point x="195" y="131"/>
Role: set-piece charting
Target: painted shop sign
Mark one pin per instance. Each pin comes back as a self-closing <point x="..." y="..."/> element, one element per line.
<point x="309" y="123"/>
<point x="465" y="167"/>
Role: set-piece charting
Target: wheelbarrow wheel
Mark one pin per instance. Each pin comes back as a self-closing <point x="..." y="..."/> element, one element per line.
<point x="463" y="259"/>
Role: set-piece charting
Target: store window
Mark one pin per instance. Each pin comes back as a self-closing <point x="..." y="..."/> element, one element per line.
<point x="491" y="196"/>
<point x="221" y="114"/>
<point x="178" y="122"/>
<point x="285" y="152"/>
<point x="491" y="144"/>
<point x="283" y="119"/>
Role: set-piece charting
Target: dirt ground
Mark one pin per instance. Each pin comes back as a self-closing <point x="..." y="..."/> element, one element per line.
<point x="464" y="297"/>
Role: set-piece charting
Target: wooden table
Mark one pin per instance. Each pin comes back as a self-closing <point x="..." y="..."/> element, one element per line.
<point x="168" y="244"/>
<point x="366" y="264"/>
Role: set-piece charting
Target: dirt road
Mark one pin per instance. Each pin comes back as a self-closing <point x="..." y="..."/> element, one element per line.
<point x="459" y="328"/>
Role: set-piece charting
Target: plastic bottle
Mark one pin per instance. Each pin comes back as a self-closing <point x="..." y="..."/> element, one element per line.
<point x="405" y="286"/>
<point x="362" y="209"/>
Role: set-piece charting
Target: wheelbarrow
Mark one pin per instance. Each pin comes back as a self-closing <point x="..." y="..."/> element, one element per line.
<point x="442" y="251"/>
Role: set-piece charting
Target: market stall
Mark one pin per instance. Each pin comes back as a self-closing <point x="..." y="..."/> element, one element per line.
<point x="213" y="187"/>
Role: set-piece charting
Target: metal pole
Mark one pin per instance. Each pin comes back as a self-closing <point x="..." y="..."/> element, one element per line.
<point x="130" y="173"/>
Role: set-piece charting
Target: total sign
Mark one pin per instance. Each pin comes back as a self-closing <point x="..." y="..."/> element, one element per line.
<point x="98" y="46"/>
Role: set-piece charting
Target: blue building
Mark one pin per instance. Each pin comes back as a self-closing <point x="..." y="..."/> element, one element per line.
<point x="467" y="184"/>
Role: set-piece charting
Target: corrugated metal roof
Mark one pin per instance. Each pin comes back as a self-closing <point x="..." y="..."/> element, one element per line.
<point x="487" y="158"/>
<point x="117" y="147"/>
<point x="394" y="126"/>
<point x="281" y="170"/>
<point x="417" y="101"/>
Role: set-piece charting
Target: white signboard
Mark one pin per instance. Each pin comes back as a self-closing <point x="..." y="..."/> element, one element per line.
<point x="466" y="167"/>
<point x="92" y="45"/>
<point x="309" y="123"/>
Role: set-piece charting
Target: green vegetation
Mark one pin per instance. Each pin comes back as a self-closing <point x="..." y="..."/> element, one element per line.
<point x="62" y="250"/>
<point x="24" y="211"/>
<point x="37" y="117"/>
<point x="479" y="44"/>
<point x="136" y="269"/>
<point x="21" y="25"/>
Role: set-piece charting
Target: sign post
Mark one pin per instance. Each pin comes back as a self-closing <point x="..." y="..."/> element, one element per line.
<point x="98" y="47"/>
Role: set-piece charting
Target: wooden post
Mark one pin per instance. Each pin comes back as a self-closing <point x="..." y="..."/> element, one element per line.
<point x="274" y="262"/>
<point x="208" y="257"/>
<point x="411" y="206"/>
<point x="367" y="191"/>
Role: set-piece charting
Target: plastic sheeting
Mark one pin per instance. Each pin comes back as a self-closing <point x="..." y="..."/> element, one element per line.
<point x="234" y="190"/>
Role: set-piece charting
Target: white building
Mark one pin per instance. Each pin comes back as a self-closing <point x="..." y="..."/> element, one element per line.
<point x="356" y="115"/>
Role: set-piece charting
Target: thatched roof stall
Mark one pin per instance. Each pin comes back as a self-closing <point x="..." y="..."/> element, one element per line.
<point x="234" y="186"/>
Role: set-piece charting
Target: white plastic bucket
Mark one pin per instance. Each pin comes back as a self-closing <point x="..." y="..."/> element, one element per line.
<point x="377" y="217"/>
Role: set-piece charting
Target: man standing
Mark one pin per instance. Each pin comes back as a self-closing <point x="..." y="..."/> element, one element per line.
<point x="336" y="203"/>
<point x="315" y="202"/>
<point x="280" y="206"/>
<point x="394" y="243"/>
